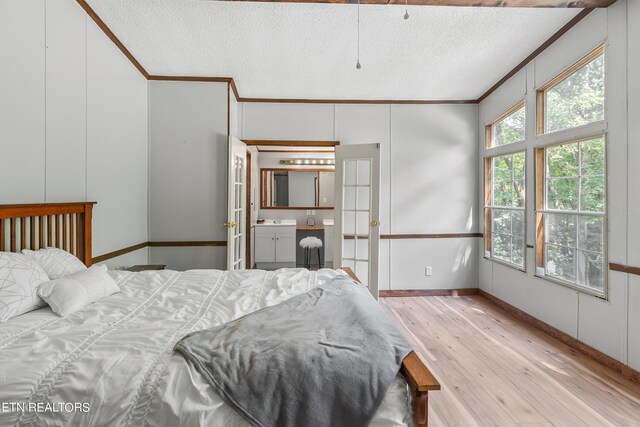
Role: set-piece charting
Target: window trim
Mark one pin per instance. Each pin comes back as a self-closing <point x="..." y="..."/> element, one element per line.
<point x="540" y="92"/>
<point x="489" y="126"/>
<point x="488" y="206"/>
<point x="540" y="211"/>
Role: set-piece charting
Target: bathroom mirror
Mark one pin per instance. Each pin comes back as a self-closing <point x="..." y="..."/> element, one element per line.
<point x="296" y="188"/>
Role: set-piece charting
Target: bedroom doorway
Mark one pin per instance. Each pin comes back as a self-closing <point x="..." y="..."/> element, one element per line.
<point x="357" y="204"/>
<point x="236" y="205"/>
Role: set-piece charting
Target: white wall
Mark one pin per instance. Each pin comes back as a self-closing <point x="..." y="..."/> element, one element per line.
<point x="633" y="159"/>
<point x="606" y="325"/>
<point x="73" y="121"/>
<point x="255" y="183"/>
<point x="22" y="101"/>
<point x="427" y="152"/>
<point x="188" y="171"/>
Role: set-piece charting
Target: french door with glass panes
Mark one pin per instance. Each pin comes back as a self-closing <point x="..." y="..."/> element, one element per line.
<point x="357" y="208"/>
<point x="236" y="204"/>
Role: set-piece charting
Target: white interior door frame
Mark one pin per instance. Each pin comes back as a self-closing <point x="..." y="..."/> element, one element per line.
<point x="357" y="211"/>
<point x="236" y="204"/>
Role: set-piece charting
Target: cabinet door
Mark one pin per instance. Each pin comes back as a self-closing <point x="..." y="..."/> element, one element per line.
<point x="285" y="247"/>
<point x="265" y="247"/>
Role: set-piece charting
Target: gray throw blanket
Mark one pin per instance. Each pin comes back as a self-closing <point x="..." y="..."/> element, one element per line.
<point x="323" y="358"/>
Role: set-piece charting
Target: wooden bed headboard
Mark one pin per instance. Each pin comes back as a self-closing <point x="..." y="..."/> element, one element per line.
<point x="66" y="226"/>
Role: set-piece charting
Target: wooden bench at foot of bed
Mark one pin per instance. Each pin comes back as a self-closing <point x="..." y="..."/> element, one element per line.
<point x="421" y="381"/>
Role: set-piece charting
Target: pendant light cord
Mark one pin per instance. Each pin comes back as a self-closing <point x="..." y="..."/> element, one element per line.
<point x="358" y="60"/>
<point x="358" y="31"/>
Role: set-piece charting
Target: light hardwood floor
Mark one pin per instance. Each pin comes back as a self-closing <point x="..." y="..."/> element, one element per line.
<point x="496" y="371"/>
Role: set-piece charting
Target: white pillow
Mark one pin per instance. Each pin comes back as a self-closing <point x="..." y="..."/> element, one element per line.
<point x="20" y="277"/>
<point x="56" y="262"/>
<point x="69" y="294"/>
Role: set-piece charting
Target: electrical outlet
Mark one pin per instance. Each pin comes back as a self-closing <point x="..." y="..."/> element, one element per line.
<point x="427" y="270"/>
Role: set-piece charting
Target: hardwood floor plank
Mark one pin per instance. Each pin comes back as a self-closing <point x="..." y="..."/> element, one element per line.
<point x="496" y="370"/>
<point x="484" y="349"/>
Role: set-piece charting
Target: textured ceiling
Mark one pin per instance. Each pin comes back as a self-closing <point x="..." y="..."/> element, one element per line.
<point x="301" y="50"/>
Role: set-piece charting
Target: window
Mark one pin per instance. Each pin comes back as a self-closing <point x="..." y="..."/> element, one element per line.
<point x="575" y="97"/>
<point x="504" y="208"/>
<point x="508" y="128"/>
<point x="571" y="214"/>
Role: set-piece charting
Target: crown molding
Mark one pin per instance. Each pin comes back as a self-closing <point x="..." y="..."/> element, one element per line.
<point x="466" y="3"/>
<point x="232" y="85"/>
<point x="569" y="25"/>
<point x="93" y="15"/>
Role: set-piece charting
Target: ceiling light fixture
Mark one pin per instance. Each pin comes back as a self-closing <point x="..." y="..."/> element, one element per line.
<point x="358" y="66"/>
<point x="406" y="10"/>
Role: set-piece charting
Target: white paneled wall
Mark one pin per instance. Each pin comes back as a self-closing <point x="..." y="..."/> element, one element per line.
<point x="22" y="101"/>
<point x="633" y="186"/>
<point x="73" y="121"/>
<point x="608" y="325"/>
<point x="66" y="94"/>
<point x="428" y="178"/>
<point x="288" y="121"/>
<point x="117" y="145"/>
<point x="188" y="171"/>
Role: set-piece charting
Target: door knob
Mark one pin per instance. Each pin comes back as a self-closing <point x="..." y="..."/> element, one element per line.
<point x="375" y="223"/>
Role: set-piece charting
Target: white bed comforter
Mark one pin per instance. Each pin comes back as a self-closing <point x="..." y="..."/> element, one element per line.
<point x="116" y="357"/>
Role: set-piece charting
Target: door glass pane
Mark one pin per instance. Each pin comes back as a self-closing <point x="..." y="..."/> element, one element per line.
<point x="350" y="264"/>
<point x="348" y="248"/>
<point x="349" y="198"/>
<point x="362" y="223"/>
<point x="362" y="271"/>
<point x="349" y="222"/>
<point x="350" y="172"/>
<point x="362" y="248"/>
<point x="364" y="172"/>
<point x="363" y="198"/>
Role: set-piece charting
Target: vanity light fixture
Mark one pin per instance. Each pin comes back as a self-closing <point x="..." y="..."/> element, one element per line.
<point x="307" y="162"/>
